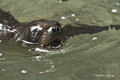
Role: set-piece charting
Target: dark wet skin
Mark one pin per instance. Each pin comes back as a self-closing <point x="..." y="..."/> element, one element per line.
<point x="47" y="34"/>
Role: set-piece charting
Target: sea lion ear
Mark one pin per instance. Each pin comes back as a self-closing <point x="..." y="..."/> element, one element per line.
<point x="56" y="23"/>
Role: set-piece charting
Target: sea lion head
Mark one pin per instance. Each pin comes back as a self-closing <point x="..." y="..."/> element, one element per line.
<point x="47" y="34"/>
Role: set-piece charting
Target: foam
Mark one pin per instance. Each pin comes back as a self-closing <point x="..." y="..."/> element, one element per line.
<point x="63" y="17"/>
<point x="41" y="50"/>
<point x="114" y="10"/>
<point x="0" y="40"/>
<point x="11" y="30"/>
<point x="94" y="38"/>
<point x="1" y="25"/>
<point x="27" y="42"/>
<point x="1" y="54"/>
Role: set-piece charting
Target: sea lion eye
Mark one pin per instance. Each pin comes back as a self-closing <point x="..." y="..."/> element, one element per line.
<point x="34" y="31"/>
<point x="54" y="29"/>
<point x="36" y="27"/>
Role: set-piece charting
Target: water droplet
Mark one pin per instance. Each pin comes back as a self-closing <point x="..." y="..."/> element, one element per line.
<point x="62" y="50"/>
<point x="63" y="17"/>
<point x="114" y="10"/>
<point x="77" y="19"/>
<point x="3" y="69"/>
<point x="0" y="40"/>
<point x="118" y="4"/>
<point x="72" y="14"/>
<point x="41" y="72"/>
<point x="52" y="66"/>
<point x="1" y="25"/>
<point x="94" y="38"/>
<point x="23" y="71"/>
<point x="29" y="50"/>
<point x="60" y="0"/>
<point x="0" y="54"/>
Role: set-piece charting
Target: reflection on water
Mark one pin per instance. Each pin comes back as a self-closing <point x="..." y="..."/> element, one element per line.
<point x="83" y="57"/>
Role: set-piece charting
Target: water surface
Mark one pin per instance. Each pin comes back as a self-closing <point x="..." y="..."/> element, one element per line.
<point x="83" y="57"/>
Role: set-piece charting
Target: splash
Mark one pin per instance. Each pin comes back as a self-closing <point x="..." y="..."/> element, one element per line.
<point x="41" y="50"/>
<point x="5" y="28"/>
<point x="27" y="42"/>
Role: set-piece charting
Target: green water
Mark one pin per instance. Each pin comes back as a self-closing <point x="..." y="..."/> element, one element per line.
<point x="83" y="57"/>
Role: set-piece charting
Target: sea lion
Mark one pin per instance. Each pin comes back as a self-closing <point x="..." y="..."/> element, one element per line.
<point x="44" y="33"/>
<point x="47" y="34"/>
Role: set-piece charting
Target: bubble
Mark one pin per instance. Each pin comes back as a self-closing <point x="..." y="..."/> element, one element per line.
<point x="1" y="25"/>
<point x="62" y="50"/>
<point x="72" y="14"/>
<point x="114" y="10"/>
<point x="1" y="54"/>
<point x="52" y="66"/>
<point x="94" y="38"/>
<point x="41" y="72"/>
<point x="77" y="19"/>
<point x="23" y="71"/>
<point x="3" y="69"/>
<point x="38" y="58"/>
<point x="3" y="58"/>
<point x="118" y="4"/>
<point x="60" y="0"/>
<point x="29" y="50"/>
<point x="63" y="17"/>
<point x="0" y="40"/>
